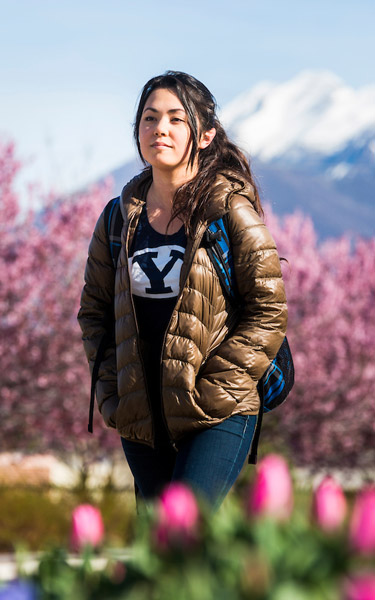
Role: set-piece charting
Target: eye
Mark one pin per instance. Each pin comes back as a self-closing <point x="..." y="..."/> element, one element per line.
<point x="149" y="118"/>
<point x="178" y="120"/>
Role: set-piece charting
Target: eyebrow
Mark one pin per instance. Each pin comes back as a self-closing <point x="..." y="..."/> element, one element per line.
<point x="172" y="110"/>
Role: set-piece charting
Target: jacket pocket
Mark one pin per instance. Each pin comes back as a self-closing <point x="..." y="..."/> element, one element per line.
<point x="108" y="411"/>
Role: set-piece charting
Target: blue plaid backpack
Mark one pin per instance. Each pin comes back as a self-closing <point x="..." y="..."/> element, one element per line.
<point x="278" y="380"/>
<point x="276" y="383"/>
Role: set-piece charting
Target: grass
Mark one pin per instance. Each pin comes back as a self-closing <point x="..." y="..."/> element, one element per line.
<point x="39" y="518"/>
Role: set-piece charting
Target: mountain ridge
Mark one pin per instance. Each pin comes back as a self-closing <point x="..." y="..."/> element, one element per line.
<point x="314" y="115"/>
<point x="310" y="150"/>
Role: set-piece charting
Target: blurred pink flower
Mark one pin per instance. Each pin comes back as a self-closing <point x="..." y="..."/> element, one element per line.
<point x="87" y="527"/>
<point x="329" y="505"/>
<point x="177" y="517"/>
<point x="272" y="491"/>
<point x="362" y="524"/>
<point x="118" y="573"/>
<point x="360" y="587"/>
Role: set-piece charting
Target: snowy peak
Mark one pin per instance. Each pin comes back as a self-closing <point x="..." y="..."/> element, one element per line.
<point x="313" y="139"/>
<point x="312" y="117"/>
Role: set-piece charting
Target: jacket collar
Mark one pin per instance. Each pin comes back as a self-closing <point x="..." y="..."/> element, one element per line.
<point x="227" y="183"/>
<point x="134" y="192"/>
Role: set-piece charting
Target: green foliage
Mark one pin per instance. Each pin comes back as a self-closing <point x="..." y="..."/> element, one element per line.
<point x="37" y="519"/>
<point x="230" y="555"/>
<point x="235" y="556"/>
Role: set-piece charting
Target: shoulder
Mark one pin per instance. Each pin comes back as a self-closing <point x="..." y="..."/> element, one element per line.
<point x="135" y="188"/>
<point x="228" y="191"/>
<point x="106" y="214"/>
<point x="241" y="211"/>
<point x="233" y="196"/>
<point x="240" y="205"/>
<point x="110" y="208"/>
<point x="247" y="227"/>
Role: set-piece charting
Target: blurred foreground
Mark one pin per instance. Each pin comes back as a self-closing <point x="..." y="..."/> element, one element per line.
<point x="265" y="543"/>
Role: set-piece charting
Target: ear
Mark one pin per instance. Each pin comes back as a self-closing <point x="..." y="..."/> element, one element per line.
<point x="206" y="138"/>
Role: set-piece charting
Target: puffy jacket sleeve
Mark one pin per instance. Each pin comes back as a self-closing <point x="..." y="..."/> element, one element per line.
<point x="242" y="358"/>
<point x="96" y="318"/>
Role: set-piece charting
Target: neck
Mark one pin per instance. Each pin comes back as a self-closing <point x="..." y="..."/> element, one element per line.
<point x="164" y="186"/>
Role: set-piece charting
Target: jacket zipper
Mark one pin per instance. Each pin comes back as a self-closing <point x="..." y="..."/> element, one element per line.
<point x="182" y="285"/>
<point x="138" y="341"/>
<point x="161" y="395"/>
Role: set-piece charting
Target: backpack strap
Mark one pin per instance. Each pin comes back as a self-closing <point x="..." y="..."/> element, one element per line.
<point x="113" y="221"/>
<point x="253" y="455"/>
<point x="219" y="251"/>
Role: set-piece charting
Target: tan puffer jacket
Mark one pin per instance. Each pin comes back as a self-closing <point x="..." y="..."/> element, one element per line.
<point x="210" y="364"/>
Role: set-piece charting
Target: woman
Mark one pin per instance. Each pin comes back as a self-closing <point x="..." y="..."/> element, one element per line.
<point x="179" y="377"/>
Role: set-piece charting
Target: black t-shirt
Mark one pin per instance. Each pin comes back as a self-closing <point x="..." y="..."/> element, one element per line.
<point x="155" y="261"/>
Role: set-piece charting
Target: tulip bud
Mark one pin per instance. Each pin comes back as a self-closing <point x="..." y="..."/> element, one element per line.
<point x="360" y="587"/>
<point x="329" y="505"/>
<point x="272" y="491"/>
<point x="177" y="517"/>
<point x="87" y="527"/>
<point x="362" y="524"/>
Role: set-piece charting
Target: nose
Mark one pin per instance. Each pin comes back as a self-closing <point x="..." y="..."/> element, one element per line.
<point x="160" y="127"/>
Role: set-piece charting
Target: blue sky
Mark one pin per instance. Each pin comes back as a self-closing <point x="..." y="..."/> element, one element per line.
<point x="71" y="71"/>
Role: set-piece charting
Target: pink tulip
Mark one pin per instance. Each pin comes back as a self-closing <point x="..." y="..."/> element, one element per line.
<point x="87" y="527"/>
<point x="329" y="505"/>
<point x="362" y="524"/>
<point x="177" y="517"/>
<point x="272" y="491"/>
<point x="360" y="587"/>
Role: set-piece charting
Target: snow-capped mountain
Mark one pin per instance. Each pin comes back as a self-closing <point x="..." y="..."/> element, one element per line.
<point x="312" y="144"/>
<point x="313" y="121"/>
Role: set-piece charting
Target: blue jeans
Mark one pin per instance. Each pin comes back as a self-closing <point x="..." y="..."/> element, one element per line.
<point x="209" y="461"/>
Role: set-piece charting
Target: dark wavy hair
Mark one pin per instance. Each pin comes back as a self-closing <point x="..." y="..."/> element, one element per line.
<point x="219" y="156"/>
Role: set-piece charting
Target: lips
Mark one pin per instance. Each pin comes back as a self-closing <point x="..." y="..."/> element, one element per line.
<point x="160" y="145"/>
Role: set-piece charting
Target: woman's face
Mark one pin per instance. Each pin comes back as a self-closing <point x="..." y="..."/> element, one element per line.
<point x="164" y="133"/>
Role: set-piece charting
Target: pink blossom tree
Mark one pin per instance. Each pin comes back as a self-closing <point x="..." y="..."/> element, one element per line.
<point x="43" y="370"/>
<point x="329" y="418"/>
